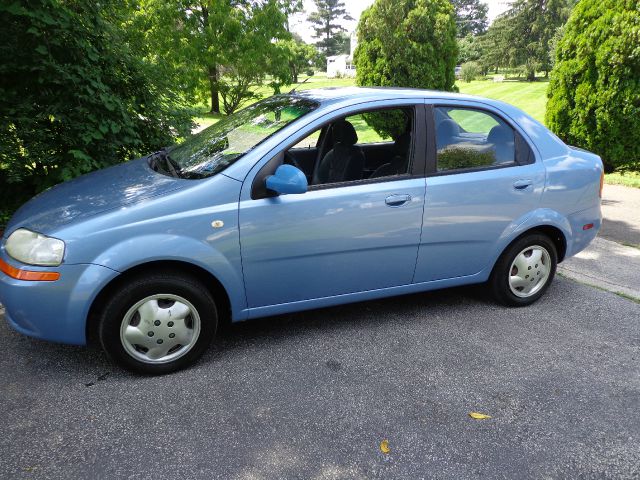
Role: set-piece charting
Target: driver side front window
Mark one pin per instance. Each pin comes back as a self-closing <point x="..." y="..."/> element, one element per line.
<point x="368" y="145"/>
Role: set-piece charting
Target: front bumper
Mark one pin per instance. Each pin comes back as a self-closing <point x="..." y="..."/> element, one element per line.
<point x="55" y="311"/>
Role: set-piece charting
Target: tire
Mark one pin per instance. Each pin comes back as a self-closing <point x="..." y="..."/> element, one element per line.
<point x="524" y="271"/>
<point x="158" y="323"/>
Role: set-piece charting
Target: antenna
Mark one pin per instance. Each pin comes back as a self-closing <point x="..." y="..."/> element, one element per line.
<point x="293" y="90"/>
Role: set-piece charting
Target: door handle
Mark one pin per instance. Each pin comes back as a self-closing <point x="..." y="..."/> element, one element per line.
<point x="522" y="184"/>
<point x="397" y="200"/>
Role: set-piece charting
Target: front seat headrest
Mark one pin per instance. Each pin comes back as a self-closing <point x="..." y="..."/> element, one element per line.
<point x="446" y="132"/>
<point x="500" y="134"/>
<point x="344" y="133"/>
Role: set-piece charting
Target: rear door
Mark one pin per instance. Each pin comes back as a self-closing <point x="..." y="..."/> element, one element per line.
<point x="482" y="177"/>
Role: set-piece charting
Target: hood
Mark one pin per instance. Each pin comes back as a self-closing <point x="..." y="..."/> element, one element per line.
<point x="91" y="194"/>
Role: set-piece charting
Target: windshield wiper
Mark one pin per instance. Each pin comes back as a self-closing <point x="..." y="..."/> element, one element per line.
<point x="171" y="166"/>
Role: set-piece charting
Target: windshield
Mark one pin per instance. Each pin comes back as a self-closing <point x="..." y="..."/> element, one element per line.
<point x="215" y="148"/>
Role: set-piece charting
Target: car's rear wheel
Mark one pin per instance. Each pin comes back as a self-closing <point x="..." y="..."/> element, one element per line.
<point x="524" y="271"/>
<point x="158" y="323"/>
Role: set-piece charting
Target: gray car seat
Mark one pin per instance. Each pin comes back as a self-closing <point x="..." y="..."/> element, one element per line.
<point x="345" y="161"/>
<point x="399" y="163"/>
<point x="447" y="133"/>
<point x="501" y="138"/>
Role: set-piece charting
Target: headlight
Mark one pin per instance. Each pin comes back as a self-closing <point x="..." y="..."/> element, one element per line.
<point x="35" y="249"/>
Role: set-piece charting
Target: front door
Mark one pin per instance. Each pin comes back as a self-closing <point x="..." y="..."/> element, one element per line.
<point x="340" y="237"/>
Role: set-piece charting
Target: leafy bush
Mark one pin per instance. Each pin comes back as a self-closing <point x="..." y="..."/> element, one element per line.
<point x="594" y="93"/>
<point x="74" y="96"/>
<point x="454" y="157"/>
<point x="470" y="71"/>
<point x="388" y="123"/>
<point x="406" y="43"/>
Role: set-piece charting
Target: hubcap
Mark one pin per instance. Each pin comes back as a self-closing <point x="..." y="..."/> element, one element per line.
<point x="529" y="271"/>
<point x="160" y="328"/>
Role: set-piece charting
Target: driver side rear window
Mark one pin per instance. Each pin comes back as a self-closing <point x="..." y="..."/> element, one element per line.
<point x="468" y="138"/>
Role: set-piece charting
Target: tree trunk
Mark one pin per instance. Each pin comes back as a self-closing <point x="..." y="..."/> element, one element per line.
<point x="213" y="82"/>
<point x="531" y="75"/>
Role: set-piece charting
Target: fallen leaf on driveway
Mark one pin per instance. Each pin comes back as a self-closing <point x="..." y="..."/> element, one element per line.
<point x="384" y="446"/>
<point x="479" y="416"/>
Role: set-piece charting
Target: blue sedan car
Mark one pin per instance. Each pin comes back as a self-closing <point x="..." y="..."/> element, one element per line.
<point x="299" y="201"/>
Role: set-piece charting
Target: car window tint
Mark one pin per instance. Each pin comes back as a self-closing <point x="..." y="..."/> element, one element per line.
<point x="469" y="138"/>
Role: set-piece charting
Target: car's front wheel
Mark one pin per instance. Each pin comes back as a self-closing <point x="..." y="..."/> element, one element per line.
<point x="524" y="271"/>
<point x="158" y="323"/>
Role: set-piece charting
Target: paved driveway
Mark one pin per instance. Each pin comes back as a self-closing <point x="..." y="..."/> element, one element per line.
<point x="621" y="212"/>
<point x="312" y="395"/>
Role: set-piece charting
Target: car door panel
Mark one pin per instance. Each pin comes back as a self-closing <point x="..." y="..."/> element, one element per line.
<point x="330" y="241"/>
<point x="466" y="212"/>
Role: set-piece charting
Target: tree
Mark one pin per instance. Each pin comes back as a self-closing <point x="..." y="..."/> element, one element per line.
<point x="302" y="57"/>
<point x="471" y="17"/>
<point x="75" y="95"/>
<point x="594" y="92"/>
<point x="522" y="35"/>
<point x="407" y="43"/>
<point x="325" y="24"/>
<point x="342" y="42"/>
<point x="553" y="45"/>
<point x="221" y="47"/>
<point x="469" y="49"/>
<point x="495" y="45"/>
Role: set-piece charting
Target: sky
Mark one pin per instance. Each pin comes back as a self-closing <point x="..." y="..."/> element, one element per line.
<point x="355" y="8"/>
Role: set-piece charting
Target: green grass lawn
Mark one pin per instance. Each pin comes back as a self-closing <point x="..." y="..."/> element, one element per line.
<point x="528" y="96"/>
<point x="628" y="179"/>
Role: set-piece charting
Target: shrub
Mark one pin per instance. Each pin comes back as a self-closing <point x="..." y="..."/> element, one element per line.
<point x="74" y="96"/>
<point x="454" y="157"/>
<point x="407" y="43"/>
<point x="594" y="92"/>
<point x="470" y="71"/>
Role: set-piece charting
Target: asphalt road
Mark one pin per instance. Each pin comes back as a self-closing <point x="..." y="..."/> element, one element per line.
<point x="312" y="395"/>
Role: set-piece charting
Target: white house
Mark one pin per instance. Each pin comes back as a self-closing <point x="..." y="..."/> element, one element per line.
<point x="342" y="65"/>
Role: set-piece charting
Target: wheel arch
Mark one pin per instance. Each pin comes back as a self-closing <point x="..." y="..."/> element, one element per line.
<point x="208" y="280"/>
<point x="555" y="234"/>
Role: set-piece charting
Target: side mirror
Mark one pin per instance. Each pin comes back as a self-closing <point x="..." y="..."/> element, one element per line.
<point x="287" y="179"/>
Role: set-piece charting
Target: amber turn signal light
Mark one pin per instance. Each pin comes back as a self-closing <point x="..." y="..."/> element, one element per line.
<point x="601" y="183"/>
<point x="27" y="275"/>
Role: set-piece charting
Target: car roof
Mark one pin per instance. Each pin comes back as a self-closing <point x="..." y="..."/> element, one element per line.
<point x="334" y="94"/>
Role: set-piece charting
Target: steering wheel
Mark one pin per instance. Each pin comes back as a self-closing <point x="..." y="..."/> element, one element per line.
<point x="291" y="160"/>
